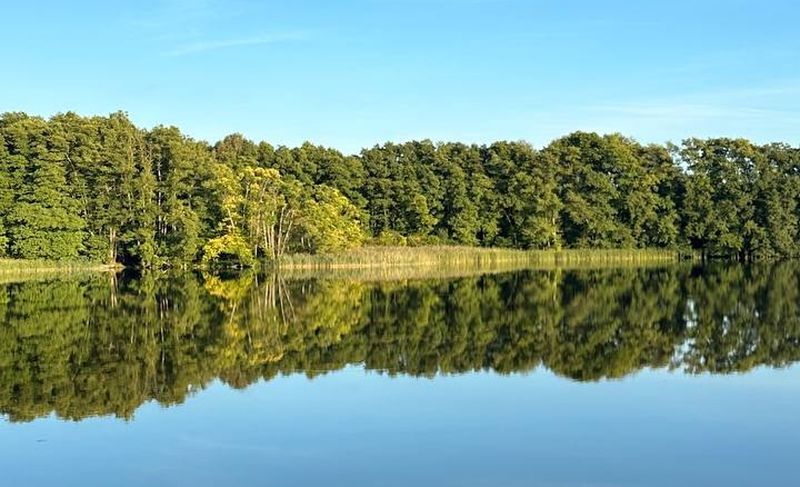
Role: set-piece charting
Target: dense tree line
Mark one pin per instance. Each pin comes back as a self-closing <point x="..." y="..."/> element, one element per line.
<point x="101" y="345"/>
<point x="103" y="189"/>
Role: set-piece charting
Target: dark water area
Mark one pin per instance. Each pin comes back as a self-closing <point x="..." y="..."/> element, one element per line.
<point x="658" y="376"/>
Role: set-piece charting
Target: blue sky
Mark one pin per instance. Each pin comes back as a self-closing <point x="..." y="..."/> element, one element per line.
<point x="352" y="73"/>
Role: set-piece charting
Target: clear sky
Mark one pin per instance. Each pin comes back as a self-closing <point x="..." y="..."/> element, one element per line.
<point x="352" y="73"/>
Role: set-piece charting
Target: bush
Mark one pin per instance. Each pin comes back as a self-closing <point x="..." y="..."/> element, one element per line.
<point x="220" y="249"/>
<point x="390" y="238"/>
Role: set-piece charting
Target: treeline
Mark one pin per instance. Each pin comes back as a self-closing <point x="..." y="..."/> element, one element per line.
<point x="99" y="345"/>
<point x="101" y="189"/>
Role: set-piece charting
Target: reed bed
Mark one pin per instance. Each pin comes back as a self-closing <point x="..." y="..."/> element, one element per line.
<point x="14" y="269"/>
<point x="389" y="263"/>
<point x="449" y="258"/>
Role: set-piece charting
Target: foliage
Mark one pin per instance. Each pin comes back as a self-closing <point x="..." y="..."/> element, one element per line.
<point x="231" y="246"/>
<point x="390" y="238"/>
<point x="332" y="223"/>
<point x="741" y="199"/>
<point x="103" y="190"/>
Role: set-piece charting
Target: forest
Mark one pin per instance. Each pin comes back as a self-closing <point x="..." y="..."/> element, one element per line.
<point x="101" y="189"/>
<point x="104" y="345"/>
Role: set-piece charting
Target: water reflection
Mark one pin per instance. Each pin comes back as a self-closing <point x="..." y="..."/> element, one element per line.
<point x="100" y="345"/>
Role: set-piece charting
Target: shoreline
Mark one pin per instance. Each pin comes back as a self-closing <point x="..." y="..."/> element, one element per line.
<point x="423" y="260"/>
<point x="21" y="266"/>
<point x="373" y="257"/>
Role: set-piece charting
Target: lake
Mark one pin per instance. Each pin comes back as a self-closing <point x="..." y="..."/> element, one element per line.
<point x="654" y="376"/>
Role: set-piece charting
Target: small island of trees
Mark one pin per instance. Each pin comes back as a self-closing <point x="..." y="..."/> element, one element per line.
<point x="101" y="189"/>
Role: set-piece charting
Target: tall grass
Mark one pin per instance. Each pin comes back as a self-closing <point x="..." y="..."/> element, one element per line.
<point x="387" y="262"/>
<point x="444" y="257"/>
<point x="13" y="269"/>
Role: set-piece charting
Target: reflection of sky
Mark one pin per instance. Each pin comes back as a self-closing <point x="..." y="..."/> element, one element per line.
<point x="354" y="428"/>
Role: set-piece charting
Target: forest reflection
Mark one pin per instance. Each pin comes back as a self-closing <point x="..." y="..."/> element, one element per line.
<point x="100" y="345"/>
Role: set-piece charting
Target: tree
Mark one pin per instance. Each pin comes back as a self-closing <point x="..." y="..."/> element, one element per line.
<point x="725" y="171"/>
<point x="101" y="189"/>
<point x="459" y="214"/>
<point x="230" y="246"/>
<point x="6" y="192"/>
<point x="332" y="223"/>
<point x="536" y="205"/>
<point x="776" y="200"/>
<point x="183" y="221"/>
<point x="272" y="209"/>
<point x="590" y="169"/>
<point x="524" y="194"/>
<point x="43" y="221"/>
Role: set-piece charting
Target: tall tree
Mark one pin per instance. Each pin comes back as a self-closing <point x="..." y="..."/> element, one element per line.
<point x="331" y="222"/>
<point x="183" y="220"/>
<point x="590" y="169"/>
<point x="725" y="171"/>
<point x="44" y="221"/>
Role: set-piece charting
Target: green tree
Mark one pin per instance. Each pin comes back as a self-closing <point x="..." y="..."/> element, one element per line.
<point x="182" y="166"/>
<point x="43" y="221"/>
<point x="776" y="202"/>
<point x="331" y="222"/>
<point x="725" y="172"/>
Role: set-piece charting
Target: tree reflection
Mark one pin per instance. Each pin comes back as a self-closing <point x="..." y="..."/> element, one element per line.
<point x="98" y="346"/>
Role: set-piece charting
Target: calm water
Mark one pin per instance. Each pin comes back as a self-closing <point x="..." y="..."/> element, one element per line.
<point x="615" y="377"/>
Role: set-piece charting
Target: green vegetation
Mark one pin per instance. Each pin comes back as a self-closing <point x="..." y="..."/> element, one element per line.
<point x="466" y="258"/>
<point x="94" y="345"/>
<point x="404" y="263"/>
<point x="101" y="189"/>
<point x="11" y="269"/>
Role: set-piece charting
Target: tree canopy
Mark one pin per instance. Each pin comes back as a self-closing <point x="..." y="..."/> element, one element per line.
<point x="102" y="189"/>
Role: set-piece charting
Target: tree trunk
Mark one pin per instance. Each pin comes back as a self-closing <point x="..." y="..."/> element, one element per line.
<point x="112" y="245"/>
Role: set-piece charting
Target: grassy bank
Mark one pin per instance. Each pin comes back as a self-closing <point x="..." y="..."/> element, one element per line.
<point x="463" y="257"/>
<point x="386" y="262"/>
<point x="10" y="269"/>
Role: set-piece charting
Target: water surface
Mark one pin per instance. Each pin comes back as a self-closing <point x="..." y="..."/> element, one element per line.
<point x="659" y="376"/>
